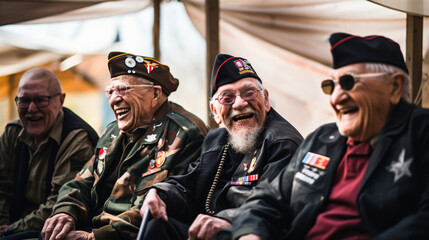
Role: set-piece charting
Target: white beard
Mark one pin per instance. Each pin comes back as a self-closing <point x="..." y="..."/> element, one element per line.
<point x="244" y="142"/>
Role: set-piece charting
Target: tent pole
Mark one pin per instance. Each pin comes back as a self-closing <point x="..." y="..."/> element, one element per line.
<point x="212" y="46"/>
<point x="156" y="26"/>
<point x="414" y="49"/>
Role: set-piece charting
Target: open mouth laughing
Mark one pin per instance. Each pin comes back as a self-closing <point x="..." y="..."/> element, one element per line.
<point x="242" y="117"/>
<point x="121" y="112"/>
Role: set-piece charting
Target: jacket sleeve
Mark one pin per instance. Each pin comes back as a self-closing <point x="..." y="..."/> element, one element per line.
<point x="74" y="197"/>
<point x="76" y="149"/>
<point x="7" y="144"/>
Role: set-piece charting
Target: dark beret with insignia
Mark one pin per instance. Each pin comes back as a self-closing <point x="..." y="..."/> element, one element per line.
<point x="228" y="69"/>
<point x="348" y="49"/>
<point x="121" y="63"/>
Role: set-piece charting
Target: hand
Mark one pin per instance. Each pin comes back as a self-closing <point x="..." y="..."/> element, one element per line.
<point x="57" y="227"/>
<point x="80" y="235"/>
<point x="249" y="237"/>
<point x="3" y="229"/>
<point x="206" y="227"/>
<point x="156" y="206"/>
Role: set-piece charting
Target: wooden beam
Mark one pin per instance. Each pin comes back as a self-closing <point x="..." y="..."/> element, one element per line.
<point x="156" y="26"/>
<point x="414" y="49"/>
<point x="212" y="46"/>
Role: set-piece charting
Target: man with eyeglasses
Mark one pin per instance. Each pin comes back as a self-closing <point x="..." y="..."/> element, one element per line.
<point x="363" y="177"/>
<point x="39" y="152"/>
<point x="151" y="139"/>
<point x="253" y="145"/>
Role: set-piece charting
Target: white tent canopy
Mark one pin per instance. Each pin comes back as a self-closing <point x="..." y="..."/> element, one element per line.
<point x="285" y="40"/>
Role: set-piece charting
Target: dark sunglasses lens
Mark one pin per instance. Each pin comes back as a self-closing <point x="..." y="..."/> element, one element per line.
<point x="327" y="86"/>
<point x="347" y="82"/>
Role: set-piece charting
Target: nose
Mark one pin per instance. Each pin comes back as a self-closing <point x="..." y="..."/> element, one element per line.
<point x="32" y="107"/>
<point x="338" y="95"/>
<point x="114" y="98"/>
<point x="239" y="103"/>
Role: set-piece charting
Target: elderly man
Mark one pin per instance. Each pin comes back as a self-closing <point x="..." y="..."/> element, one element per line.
<point x="150" y="140"/>
<point x="39" y="152"/>
<point x="361" y="178"/>
<point x="254" y="146"/>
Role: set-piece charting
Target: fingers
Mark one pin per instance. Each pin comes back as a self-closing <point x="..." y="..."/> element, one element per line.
<point x="57" y="227"/>
<point x="206" y="227"/>
<point x="156" y="206"/>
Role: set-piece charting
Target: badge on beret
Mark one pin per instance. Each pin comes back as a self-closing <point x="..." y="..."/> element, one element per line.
<point x="150" y="65"/>
<point x="130" y="62"/>
<point x="139" y="59"/>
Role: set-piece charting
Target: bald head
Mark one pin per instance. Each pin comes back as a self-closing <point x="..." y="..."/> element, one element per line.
<point x="49" y="77"/>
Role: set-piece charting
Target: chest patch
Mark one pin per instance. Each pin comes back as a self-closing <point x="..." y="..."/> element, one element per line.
<point x="316" y="160"/>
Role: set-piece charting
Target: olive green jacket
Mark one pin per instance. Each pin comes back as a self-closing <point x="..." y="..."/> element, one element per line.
<point x="75" y="150"/>
<point x="134" y="162"/>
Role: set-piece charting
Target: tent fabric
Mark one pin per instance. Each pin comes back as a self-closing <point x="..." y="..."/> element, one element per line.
<point x="285" y="40"/>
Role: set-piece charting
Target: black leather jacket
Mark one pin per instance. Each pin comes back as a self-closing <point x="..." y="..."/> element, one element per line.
<point x="393" y="200"/>
<point x="185" y="196"/>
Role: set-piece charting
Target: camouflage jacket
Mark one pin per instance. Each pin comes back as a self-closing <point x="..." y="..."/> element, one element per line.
<point x="106" y="196"/>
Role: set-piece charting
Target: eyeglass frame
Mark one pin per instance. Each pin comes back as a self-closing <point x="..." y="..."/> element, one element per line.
<point x="235" y="95"/>
<point x="34" y="100"/>
<point x="332" y="82"/>
<point x="127" y="87"/>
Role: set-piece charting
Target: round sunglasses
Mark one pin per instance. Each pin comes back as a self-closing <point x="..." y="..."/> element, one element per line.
<point x="347" y="81"/>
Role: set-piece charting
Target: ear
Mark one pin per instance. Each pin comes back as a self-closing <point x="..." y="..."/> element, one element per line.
<point x="215" y="113"/>
<point x="157" y="95"/>
<point x="398" y="84"/>
<point x="266" y="100"/>
<point x="62" y="98"/>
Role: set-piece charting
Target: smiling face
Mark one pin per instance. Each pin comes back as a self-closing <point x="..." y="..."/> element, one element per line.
<point x="242" y="117"/>
<point x="38" y="121"/>
<point x="137" y="106"/>
<point x="363" y="111"/>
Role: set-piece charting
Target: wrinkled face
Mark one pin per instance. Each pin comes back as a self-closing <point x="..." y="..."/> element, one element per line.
<point x="38" y="121"/>
<point x="134" y="108"/>
<point x="363" y="111"/>
<point x="242" y="116"/>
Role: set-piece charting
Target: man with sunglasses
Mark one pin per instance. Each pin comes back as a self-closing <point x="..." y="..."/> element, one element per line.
<point x="39" y="152"/>
<point x="363" y="177"/>
<point x="253" y="145"/>
<point x="151" y="139"/>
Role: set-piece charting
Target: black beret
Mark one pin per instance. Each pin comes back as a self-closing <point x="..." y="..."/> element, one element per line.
<point x="121" y="63"/>
<point x="348" y="49"/>
<point x="228" y="69"/>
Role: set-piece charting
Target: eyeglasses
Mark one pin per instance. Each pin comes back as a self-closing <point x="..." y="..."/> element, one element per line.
<point x="347" y="81"/>
<point x="228" y="98"/>
<point x="122" y="88"/>
<point x="39" y="101"/>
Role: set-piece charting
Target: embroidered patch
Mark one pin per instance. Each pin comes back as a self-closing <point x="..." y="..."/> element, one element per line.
<point x="150" y="138"/>
<point x="316" y="160"/>
<point x="160" y="158"/>
<point x="151" y="171"/>
<point x="102" y="153"/>
<point x="401" y="167"/>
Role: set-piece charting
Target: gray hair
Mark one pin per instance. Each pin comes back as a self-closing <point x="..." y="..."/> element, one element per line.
<point x="381" y="67"/>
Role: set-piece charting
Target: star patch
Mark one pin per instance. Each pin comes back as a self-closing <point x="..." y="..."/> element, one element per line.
<point x="401" y="167"/>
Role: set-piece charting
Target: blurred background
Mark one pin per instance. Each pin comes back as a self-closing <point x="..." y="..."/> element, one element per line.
<point x="284" y="40"/>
